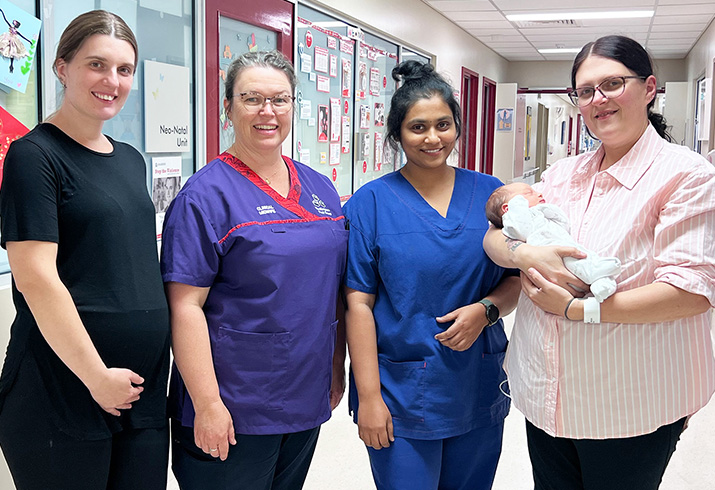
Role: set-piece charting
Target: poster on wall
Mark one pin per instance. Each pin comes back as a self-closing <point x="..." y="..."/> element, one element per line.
<point x="10" y="130"/>
<point x="166" y="108"/>
<point x="323" y="84"/>
<point x="335" y="120"/>
<point x="375" y="81"/>
<point x="362" y="81"/>
<point x="334" y="154"/>
<point x="505" y="119"/>
<point x="365" y="145"/>
<point x="322" y="123"/>
<point x="379" y="114"/>
<point x="364" y="116"/>
<point x="346" y="135"/>
<point x="378" y="152"/>
<point x="347" y="77"/>
<point x="166" y="182"/>
<point x="333" y="65"/>
<point x="321" y="59"/>
<point x="18" y="45"/>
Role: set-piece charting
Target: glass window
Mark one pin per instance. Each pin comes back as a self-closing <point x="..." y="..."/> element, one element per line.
<point x="324" y="98"/>
<point x="172" y="44"/>
<point x="22" y="107"/>
<point x="236" y="38"/>
<point x="374" y="87"/>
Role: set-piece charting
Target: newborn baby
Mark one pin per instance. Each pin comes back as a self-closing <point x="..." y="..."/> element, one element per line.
<point x="523" y="214"/>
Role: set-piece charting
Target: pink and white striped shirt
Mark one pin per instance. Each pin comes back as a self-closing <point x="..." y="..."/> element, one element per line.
<point x="654" y="210"/>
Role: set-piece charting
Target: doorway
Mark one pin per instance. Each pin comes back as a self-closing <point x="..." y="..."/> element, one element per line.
<point x="468" y="141"/>
<point x="542" y="139"/>
<point x="489" y="94"/>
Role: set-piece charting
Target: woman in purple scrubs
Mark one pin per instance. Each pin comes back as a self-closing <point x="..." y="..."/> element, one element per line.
<point x="253" y="252"/>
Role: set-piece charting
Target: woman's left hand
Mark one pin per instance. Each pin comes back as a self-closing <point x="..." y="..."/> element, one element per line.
<point x="548" y="296"/>
<point x="469" y="321"/>
<point x="337" y="386"/>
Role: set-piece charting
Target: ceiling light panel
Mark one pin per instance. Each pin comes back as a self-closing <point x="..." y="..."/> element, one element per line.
<point x="581" y="15"/>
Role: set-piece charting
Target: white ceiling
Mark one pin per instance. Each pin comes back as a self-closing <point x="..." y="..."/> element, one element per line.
<point x="669" y="34"/>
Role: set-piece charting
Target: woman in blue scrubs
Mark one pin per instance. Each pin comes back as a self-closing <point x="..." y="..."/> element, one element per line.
<point x="424" y="304"/>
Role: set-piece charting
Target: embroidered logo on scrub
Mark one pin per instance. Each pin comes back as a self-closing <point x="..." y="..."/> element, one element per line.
<point x="320" y="206"/>
<point x="268" y="209"/>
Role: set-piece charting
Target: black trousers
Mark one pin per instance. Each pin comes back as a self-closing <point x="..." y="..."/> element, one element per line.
<point x="41" y="457"/>
<point x="270" y="462"/>
<point x="632" y="463"/>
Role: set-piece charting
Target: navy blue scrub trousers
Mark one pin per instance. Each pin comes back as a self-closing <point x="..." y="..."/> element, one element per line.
<point x="256" y="462"/>
<point x="464" y="462"/>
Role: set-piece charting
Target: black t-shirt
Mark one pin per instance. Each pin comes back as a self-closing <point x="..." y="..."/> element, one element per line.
<point x="96" y="207"/>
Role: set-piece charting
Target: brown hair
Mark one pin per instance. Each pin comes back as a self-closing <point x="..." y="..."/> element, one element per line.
<point x="88" y="24"/>
<point x="264" y="59"/>
<point x="494" y="203"/>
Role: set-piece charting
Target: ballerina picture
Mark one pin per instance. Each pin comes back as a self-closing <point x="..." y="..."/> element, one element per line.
<point x="11" y="46"/>
<point x="18" y="46"/>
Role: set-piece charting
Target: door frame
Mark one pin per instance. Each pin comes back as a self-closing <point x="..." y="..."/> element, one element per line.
<point x="281" y="22"/>
<point x="470" y="119"/>
<point x="489" y="99"/>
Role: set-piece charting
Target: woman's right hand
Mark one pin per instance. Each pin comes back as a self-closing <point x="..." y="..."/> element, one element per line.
<point x="549" y="261"/>
<point x="116" y="390"/>
<point x="213" y="429"/>
<point x="375" y="423"/>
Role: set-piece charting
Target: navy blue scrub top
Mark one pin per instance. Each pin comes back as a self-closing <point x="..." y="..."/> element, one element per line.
<point x="420" y="265"/>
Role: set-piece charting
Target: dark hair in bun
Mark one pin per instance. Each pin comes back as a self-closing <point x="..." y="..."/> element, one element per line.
<point x="418" y="81"/>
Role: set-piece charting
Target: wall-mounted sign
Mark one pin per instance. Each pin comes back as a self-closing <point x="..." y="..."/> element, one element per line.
<point x="166" y="108"/>
<point x="505" y="119"/>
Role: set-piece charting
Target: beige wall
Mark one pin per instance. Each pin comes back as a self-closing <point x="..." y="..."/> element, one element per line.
<point x="503" y="163"/>
<point x="557" y="74"/>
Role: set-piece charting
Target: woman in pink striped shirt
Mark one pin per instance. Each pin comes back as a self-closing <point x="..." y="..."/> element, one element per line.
<point x="606" y="388"/>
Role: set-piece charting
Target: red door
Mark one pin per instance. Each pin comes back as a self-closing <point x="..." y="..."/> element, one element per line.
<point x="232" y="28"/>
<point x="489" y="95"/>
<point x="468" y="141"/>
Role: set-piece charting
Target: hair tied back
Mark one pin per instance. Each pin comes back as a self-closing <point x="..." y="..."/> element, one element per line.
<point x="411" y="70"/>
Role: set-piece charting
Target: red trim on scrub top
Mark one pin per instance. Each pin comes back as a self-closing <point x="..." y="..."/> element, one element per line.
<point x="290" y="202"/>
<point x="278" y="221"/>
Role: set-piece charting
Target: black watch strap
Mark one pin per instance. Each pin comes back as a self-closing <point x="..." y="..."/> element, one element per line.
<point x="491" y="311"/>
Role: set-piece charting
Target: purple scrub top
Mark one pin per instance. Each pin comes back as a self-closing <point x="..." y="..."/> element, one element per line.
<point x="274" y="266"/>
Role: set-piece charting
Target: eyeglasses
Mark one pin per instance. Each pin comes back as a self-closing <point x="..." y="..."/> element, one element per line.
<point x="253" y="102"/>
<point x="610" y="88"/>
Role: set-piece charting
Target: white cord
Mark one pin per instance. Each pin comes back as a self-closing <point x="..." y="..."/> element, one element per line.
<point x="502" y="389"/>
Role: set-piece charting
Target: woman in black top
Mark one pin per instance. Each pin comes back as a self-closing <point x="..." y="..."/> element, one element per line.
<point x="82" y="391"/>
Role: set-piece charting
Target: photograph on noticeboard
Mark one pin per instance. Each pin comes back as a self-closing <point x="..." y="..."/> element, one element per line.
<point x="322" y="123"/>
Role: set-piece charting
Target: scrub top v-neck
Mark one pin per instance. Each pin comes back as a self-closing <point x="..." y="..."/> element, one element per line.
<point x="273" y="265"/>
<point x="421" y="265"/>
<point x="420" y="206"/>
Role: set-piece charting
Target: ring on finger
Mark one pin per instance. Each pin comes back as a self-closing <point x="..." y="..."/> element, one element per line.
<point x="213" y="450"/>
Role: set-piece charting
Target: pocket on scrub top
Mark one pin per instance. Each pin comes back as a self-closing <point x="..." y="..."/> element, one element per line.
<point x="251" y="368"/>
<point x="403" y="388"/>
<point x="491" y="377"/>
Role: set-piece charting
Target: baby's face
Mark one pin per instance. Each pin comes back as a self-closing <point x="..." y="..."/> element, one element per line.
<point x="522" y="189"/>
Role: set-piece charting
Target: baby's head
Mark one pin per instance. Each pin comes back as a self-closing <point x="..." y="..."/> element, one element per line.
<point x="498" y="202"/>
